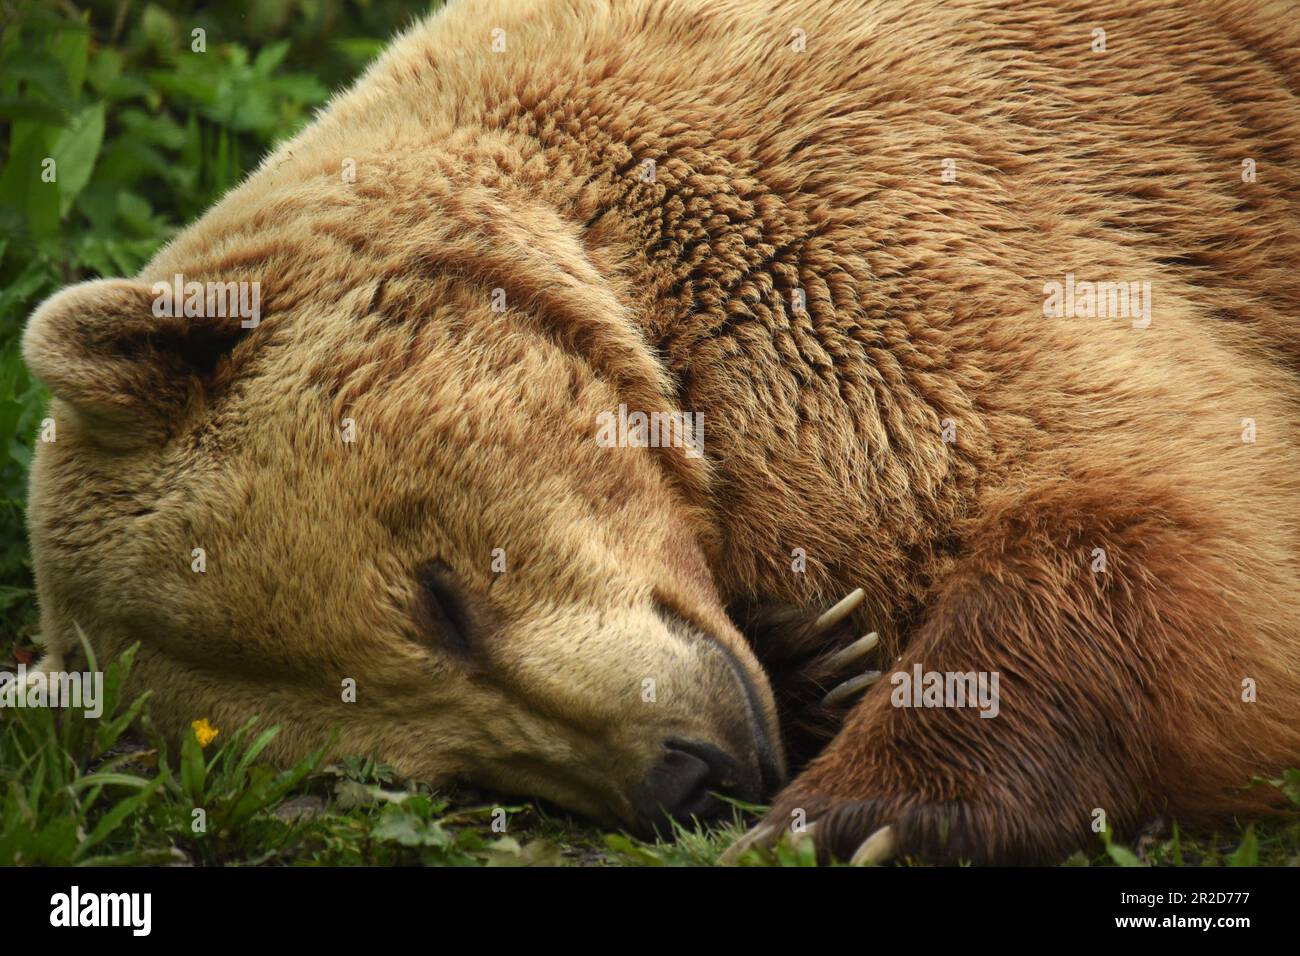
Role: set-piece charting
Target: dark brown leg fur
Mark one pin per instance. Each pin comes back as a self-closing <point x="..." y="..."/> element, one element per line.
<point x="1119" y="691"/>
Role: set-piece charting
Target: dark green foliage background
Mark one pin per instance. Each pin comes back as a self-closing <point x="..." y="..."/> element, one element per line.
<point x="146" y="134"/>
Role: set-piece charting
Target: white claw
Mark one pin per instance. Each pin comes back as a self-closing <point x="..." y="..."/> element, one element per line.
<point x="840" y="611"/>
<point x="763" y="835"/>
<point x="875" y="849"/>
<point x="854" y="652"/>
<point x="850" y="687"/>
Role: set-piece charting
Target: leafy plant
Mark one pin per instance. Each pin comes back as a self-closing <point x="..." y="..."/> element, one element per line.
<point x="59" y="810"/>
<point x="218" y="807"/>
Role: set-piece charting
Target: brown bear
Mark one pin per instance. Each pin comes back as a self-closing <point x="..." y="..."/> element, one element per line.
<point x="585" y="352"/>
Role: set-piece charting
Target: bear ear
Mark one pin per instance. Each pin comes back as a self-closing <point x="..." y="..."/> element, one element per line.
<point x="117" y="351"/>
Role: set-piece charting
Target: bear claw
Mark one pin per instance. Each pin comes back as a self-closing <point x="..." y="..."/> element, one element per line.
<point x="875" y="849"/>
<point x="763" y="836"/>
<point x="879" y="848"/>
<point x="766" y="836"/>
<point x="851" y="687"/>
<point x="854" y="652"/>
<point x="842" y="609"/>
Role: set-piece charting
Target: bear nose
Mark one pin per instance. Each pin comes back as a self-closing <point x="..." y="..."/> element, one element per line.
<point x="687" y="783"/>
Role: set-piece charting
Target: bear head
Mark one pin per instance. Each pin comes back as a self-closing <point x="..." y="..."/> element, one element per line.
<point x="331" y="459"/>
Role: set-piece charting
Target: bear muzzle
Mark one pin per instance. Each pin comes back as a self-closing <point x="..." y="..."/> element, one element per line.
<point x="690" y="782"/>
<point x="693" y="779"/>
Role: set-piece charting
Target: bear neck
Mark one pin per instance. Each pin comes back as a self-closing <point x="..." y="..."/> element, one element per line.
<point x="760" y="303"/>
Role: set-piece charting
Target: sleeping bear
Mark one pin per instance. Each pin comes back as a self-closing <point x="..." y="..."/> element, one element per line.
<point x="883" y="411"/>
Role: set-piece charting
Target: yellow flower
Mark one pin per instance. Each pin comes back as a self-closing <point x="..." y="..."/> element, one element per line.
<point x="204" y="731"/>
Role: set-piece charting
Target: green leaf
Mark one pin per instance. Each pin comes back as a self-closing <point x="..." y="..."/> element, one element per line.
<point x="35" y="278"/>
<point x="21" y="185"/>
<point x="160" y="27"/>
<point x="193" y="769"/>
<point x="135" y="211"/>
<point x="632" y="851"/>
<point x="1289" y="784"/>
<point x="114" y="817"/>
<point x="21" y="108"/>
<point x="110" y="730"/>
<point x="75" y="151"/>
<point x="1122" y="855"/>
<point x="111" y="780"/>
<point x="266" y="789"/>
<point x="72" y="48"/>
<point x="270" y="57"/>
<point x="398" y="825"/>
<point x="105" y="69"/>
<point x="55" y="841"/>
<point x="1248" y="853"/>
<point x="41" y="74"/>
<point x="256" y="749"/>
<point x="111" y="727"/>
<point x="360" y="50"/>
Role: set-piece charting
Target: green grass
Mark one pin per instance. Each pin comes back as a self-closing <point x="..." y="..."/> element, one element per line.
<point x="107" y="792"/>
<point x="147" y="134"/>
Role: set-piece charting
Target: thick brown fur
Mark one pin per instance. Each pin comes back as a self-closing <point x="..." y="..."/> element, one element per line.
<point x="774" y="171"/>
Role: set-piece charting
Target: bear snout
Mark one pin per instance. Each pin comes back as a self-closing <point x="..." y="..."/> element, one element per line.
<point x="692" y="777"/>
<point x="689" y="782"/>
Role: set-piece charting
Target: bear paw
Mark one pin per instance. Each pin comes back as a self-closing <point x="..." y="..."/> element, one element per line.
<point x="817" y="663"/>
<point x="854" y="831"/>
<point x="875" y="830"/>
